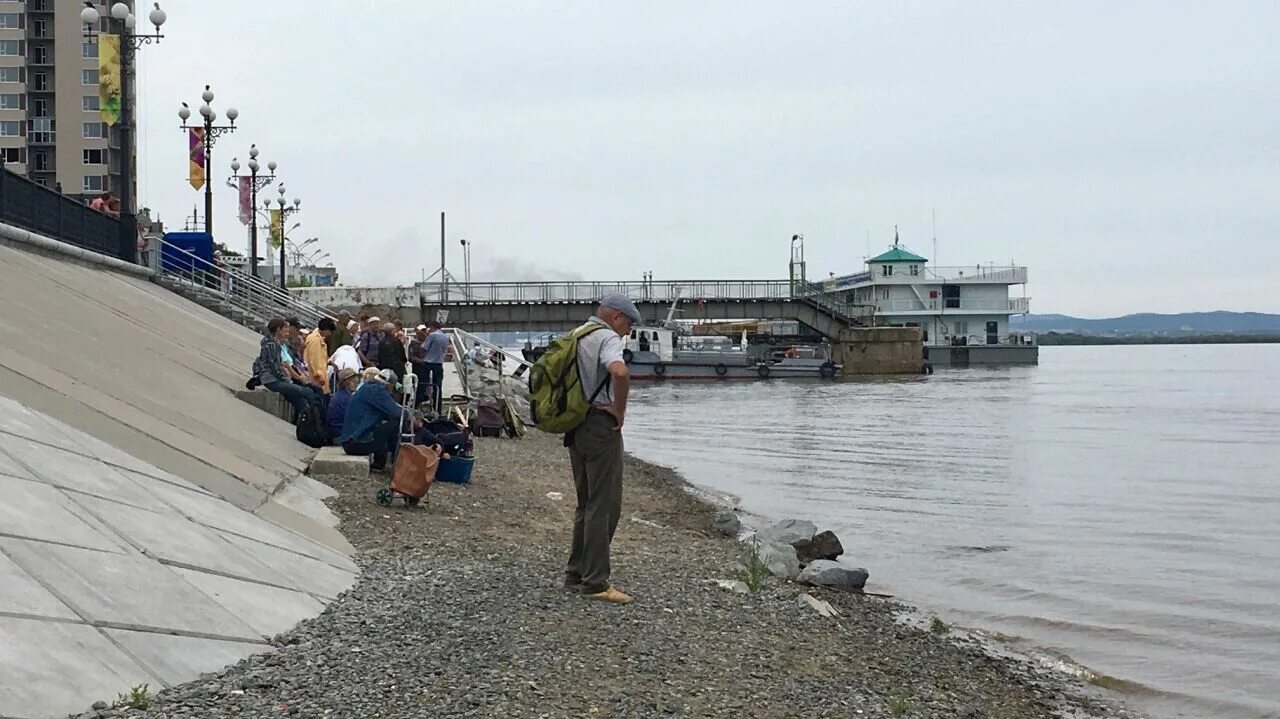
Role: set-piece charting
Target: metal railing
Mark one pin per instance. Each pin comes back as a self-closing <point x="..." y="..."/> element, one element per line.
<point x="976" y="274"/>
<point x="658" y="292"/>
<point x="256" y="299"/>
<point x="588" y="292"/>
<point x="818" y="295"/>
<point x="1014" y="305"/>
<point x="468" y="337"/>
<point x="37" y="208"/>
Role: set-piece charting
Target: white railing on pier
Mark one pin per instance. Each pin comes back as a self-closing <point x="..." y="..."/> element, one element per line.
<point x="586" y="292"/>
<point x="994" y="274"/>
<point x="1013" y="305"/>
<point x="661" y="292"/>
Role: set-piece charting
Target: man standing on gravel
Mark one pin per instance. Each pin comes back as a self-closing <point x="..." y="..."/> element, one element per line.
<point x="595" y="449"/>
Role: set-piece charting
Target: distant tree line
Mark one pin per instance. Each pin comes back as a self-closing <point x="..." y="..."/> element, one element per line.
<point x="1072" y="338"/>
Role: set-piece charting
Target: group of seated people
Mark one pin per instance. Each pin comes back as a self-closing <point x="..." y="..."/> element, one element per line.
<point x="359" y="403"/>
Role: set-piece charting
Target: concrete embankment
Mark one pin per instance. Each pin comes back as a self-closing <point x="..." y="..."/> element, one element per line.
<point x="460" y="612"/>
<point x="153" y="526"/>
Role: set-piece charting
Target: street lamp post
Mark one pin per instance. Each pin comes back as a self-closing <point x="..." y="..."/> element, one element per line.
<point x="211" y="133"/>
<point x="297" y="250"/>
<point x="256" y="183"/>
<point x="130" y="43"/>
<point x="285" y="211"/>
<point x="466" y="264"/>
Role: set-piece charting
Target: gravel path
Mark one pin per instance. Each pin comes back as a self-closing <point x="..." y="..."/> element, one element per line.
<point x="459" y="613"/>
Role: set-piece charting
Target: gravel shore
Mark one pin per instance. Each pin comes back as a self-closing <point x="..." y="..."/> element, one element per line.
<point x="460" y="613"/>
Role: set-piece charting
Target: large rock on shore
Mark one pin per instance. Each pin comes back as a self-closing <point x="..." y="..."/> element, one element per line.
<point x="823" y="545"/>
<point x="790" y="531"/>
<point x="826" y="573"/>
<point x="780" y="558"/>
<point x="727" y="523"/>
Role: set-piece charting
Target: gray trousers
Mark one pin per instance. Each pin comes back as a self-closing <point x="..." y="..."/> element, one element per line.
<point x="596" y="454"/>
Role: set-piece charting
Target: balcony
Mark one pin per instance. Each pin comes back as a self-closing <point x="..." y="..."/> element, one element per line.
<point x="938" y="306"/>
<point x="977" y="274"/>
<point x="972" y="275"/>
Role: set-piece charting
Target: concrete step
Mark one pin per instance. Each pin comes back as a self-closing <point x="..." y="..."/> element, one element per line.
<point x="333" y="461"/>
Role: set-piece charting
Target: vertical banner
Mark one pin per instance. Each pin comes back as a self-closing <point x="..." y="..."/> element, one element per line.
<point x="195" y="149"/>
<point x="246" y="200"/>
<point x="109" y="77"/>
<point x="277" y="228"/>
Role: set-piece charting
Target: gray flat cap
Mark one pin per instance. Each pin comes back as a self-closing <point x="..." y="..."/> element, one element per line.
<point x="623" y="304"/>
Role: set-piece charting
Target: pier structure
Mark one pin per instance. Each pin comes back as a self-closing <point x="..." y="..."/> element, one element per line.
<point x="562" y="305"/>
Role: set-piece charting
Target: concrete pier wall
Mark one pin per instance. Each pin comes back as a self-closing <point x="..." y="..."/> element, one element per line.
<point x="880" y="350"/>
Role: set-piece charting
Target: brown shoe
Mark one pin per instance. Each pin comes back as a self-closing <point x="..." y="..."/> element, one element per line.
<point x="611" y="595"/>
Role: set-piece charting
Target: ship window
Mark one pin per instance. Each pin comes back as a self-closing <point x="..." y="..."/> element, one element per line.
<point x="886" y="270"/>
<point x="915" y="270"/>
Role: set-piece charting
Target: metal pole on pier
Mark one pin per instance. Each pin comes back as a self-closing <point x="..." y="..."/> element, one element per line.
<point x="444" y="274"/>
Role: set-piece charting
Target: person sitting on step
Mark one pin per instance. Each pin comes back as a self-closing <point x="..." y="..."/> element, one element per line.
<point x="348" y="381"/>
<point x="271" y="371"/>
<point x="372" y="424"/>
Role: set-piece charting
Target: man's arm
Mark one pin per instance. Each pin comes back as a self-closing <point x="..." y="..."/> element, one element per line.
<point x="620" y="375"/>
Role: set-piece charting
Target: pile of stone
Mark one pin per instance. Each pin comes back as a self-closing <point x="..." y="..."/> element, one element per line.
<point x="795" y="550"/>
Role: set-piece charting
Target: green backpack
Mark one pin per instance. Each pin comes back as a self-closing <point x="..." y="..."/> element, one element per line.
<point x="556" y="402"/>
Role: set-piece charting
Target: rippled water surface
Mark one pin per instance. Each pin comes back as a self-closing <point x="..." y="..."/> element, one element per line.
<point x="1119" y="505"/>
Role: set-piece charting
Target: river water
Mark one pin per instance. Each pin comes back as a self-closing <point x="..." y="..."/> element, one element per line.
<point x="1116" y="505"/>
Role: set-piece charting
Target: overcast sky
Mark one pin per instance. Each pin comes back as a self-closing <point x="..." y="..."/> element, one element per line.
<point x="1126" y="152"/>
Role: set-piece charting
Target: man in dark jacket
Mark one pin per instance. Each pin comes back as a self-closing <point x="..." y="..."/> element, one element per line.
<point x="372" y="424"/>
<point x="391" y="354"/>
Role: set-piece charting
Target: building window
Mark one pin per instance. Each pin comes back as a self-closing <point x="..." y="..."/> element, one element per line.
<point x="40" y="81"/>
<point x="90" y="103"/>
<point x="10" y="101"/>
<point x="10" y="47"/>
<point x="40" y="56"/>
<point x="95" y="183"/>
<point x="12" y="154"/>
<point x="10" y="21"/>
<point x="11" y="128"/>
<point x="40" y="28"/>
<point x="40" y="107"/>
<point x="93" y="157"/>
<point x="10" y="74"/>
<point x="40" y="130"/>
<point x="93" y="131"/>
<point x="40" y="161"/>
<point x="886" y="270"/>
<point x="89" y="50"/>
<point x="88" y="77"/>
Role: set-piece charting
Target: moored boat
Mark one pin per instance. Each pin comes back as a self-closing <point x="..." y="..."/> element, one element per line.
<point x="656" y="353"/>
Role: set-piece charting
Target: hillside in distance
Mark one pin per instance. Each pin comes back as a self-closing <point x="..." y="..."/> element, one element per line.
<point x="1150" y="323"/>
